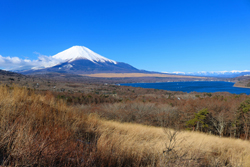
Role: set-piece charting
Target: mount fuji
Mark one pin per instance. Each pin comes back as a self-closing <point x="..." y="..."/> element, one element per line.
<point x="81" y="60"/>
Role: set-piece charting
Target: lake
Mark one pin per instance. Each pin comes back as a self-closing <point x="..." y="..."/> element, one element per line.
<point x="195" y="86"/>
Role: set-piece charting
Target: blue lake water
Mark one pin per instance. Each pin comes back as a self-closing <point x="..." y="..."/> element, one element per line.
<point x="196" y="86"/>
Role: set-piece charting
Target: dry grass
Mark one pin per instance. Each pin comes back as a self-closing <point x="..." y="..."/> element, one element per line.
<point x="143" y="141"/>
<point x="41" y="131"/>
<point x="37" y="130"/>
<point x="128" y="75"/>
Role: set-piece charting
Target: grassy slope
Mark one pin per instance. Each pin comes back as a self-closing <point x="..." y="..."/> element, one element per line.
<point x="151" y="141"/>
<point x="39" y="130"/>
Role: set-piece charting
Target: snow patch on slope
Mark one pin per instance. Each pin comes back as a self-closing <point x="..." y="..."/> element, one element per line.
<point x="81" y="52"/>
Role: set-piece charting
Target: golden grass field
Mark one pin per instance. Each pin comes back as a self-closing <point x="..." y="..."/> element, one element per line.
<point x="38" y="130"/>
<point x="127" y="139"/>
<point x="128" y="75"/>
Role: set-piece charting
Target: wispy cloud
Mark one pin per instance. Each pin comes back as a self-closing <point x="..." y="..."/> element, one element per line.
<point x="16" y="63"/>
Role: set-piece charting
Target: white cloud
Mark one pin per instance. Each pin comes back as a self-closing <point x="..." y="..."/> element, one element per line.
<point x="15" y="63"/>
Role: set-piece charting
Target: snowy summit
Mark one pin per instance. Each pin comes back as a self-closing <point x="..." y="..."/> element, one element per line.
<point x="81" y="52"/>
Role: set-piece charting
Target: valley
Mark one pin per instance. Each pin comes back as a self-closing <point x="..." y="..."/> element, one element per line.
<point x="110" y="125"/>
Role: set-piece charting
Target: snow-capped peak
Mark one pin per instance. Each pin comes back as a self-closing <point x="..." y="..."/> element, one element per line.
<point x="228" y="74"/>
<point x="81" y="52"/>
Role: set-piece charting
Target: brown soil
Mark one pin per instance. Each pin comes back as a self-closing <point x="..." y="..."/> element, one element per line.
<point x="128" y="75"/>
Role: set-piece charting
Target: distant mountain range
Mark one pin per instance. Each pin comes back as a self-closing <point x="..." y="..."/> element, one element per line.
<point x="221" y="74"/>
<point x="81" y="60"/>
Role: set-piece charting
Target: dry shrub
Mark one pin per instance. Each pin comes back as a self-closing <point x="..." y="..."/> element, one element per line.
<point x="137" y="112"/>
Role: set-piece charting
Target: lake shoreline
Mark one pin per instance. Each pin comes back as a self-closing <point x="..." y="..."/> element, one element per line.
<point x="239" y="86"/>
<point x="177" y="81"/>
<point x="195" y="86"/>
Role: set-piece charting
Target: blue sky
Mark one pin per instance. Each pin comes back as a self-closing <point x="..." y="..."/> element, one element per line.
<point x="155" y="35"/>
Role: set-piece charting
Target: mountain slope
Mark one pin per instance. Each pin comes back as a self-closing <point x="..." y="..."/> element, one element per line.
<point x="81" y="60"/>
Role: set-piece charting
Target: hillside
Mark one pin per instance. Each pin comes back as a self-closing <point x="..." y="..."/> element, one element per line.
<point x="38" y="130"/>
<point x="243" y="81"/>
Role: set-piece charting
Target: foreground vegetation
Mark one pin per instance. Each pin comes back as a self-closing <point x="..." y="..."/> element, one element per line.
<point x="46" y="129"/>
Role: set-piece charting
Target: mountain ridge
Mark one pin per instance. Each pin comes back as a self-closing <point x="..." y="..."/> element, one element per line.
<point x="81" y="60"/>
<point x="222" y="74"/>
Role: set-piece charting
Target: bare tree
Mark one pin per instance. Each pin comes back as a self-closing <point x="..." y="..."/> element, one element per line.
<point x="219" y="123"/>
<point x="175" y="153"/>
